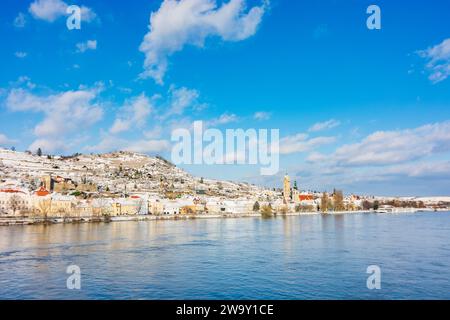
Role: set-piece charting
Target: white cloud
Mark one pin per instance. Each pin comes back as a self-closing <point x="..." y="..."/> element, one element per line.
<point x="20" y="21"/>
<point x="4" y="140"/>
<point x="66" y="115"/>
<point x="408" y="161"/>
<point x="430" y="169"/>
<point x="181" y="99"/>
<point x="88" y="45"/>
<point x="148" y="146"/>
<point x="23" y="81"/>
<point x="302" y="143"/>
<point x="261" y="115"/>
<point x="20" y="54"/>
<point x="48" y="10"/>
<point x="316" y="157"/>
<point x="155" y="132"/>
<point x="191" y="22"/>
<point x="392" y="147"/>
<point x="438" y="61"/>
<point x="51" y="10"/>
<point x="133" y="114"/>
<point x="224" y="118"/>
<point x="320" y="126"/>
<point x="111" y="143"/>
<point x="87" y="14"/>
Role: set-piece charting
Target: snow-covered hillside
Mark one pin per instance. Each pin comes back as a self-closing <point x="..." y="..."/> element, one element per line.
<point x="113" y="172"/>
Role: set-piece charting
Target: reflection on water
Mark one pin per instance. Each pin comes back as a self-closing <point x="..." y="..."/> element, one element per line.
<point x="284" y="258"/>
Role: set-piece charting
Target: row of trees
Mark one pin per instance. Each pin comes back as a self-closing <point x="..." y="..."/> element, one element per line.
<point x="266" y="210"/>
<point x="336" y="203"/>
<point x="367" y="205"/>
<point x="16" y="205"/>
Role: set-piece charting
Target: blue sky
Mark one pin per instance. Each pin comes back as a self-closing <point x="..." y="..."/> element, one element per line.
<point x="362" y="110"/>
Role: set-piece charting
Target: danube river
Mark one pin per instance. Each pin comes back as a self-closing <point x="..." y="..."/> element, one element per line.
<point x="297" y="257"/>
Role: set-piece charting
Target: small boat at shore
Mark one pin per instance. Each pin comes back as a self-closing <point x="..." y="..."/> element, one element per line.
<point x="391" y="209"/>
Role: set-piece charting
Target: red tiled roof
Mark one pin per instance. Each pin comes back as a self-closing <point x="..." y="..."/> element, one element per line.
<point x="303" y="197"/>
<point x="42" y="192"/>
<point x="11" y="191"/>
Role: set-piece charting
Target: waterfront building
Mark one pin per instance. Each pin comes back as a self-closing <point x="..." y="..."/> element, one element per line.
<point x="155" y="206"/>
<point x="14" y="201"/>
<point x="123" y="207"/>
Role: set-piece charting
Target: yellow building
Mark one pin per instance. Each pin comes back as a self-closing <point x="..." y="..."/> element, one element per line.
<point x="155" y="207"/>
<point x="125" y="208"/>
<point x="61" y="207"/>
<point x="287" y="188"/>
<point x="192" y="209"/>
<point x="47" y="182"/>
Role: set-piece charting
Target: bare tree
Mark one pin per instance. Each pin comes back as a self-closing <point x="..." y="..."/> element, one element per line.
<point x="324" y="202"/>
<point x="339" y="200"/>
<point x="366" y="205"/>
<point x="44" y="207"/>
<point x="14" y="203"/>
<point x="104" y="208"/>
<point x="266" y="211"/>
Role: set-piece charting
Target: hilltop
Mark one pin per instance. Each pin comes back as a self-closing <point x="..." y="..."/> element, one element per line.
<point x="115" y="173"/>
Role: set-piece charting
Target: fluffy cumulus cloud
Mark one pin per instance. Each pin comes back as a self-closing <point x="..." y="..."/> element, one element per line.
<point x="138" y="112"/>
<point x="51" y="10"/>
<point x="320" y="126"/>
<point x="421" y="169"/>
<point x="88" y="45"/>
<point x="392" y="147"/>
<point x="301" y="142"/>
<point x="438" y="61"/>
<point x="405" y="161"/>
<point x="133" y="115"/>
<point x="190" y="22"/>
<point x="66" y="114"/>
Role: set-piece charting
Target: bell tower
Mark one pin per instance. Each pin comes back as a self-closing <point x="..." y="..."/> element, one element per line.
<point x="287" y="188"/>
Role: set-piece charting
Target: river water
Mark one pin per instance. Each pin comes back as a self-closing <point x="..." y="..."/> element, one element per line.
<point x="297" y="257"/>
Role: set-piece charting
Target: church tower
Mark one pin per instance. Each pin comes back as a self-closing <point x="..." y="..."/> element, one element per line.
<point x="47" y="182"/>
<point x="295" y="193"/>
<point x="287" y="188"/>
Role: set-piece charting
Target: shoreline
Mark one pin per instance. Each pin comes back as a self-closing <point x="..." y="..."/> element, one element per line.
<point x="17" y="221"/>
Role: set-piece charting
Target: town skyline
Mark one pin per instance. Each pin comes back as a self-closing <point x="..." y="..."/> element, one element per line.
<point x="118" y="186"/>
<point x="357" y="109"/>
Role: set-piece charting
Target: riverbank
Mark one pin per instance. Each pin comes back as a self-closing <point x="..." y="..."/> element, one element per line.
<point x="10" y="221"/>
<point x="14" y="221"/>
